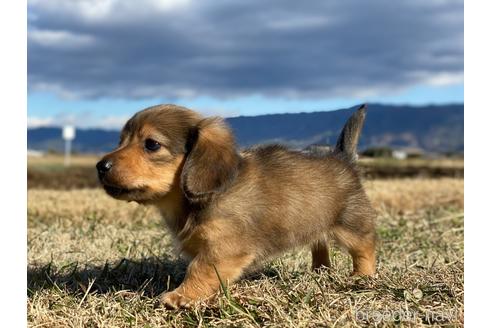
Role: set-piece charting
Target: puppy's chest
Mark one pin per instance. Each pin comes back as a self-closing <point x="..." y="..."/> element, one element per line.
<point x="172" y="221"/>
<point x="186" y="241"/>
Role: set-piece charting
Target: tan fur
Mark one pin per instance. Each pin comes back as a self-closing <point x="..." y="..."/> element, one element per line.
<point x="320" y="253"/>
<point x="230" y="211"/>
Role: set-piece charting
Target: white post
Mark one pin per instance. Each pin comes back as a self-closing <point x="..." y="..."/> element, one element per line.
<point x="68" y="135"/>
<point x="68" y="144"/>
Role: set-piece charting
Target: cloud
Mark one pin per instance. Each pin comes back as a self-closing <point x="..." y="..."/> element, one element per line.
<point x="36" y="122"/>
<point x="97" y="119"/>
<point x="60" y="39"/>
<point x="185" y="49"/>
<point x="106" y="11"/>
<point x="84" y="119"/>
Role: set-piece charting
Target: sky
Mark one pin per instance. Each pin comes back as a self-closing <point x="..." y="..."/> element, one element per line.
<point x="93" y="63"/>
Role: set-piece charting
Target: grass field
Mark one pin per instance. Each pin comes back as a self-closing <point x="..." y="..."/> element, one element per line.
<point x="94" y="262"/>
<point x="56" y="161"/>
<point x="49" y="171"/>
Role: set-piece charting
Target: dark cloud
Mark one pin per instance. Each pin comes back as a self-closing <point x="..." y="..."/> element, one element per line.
<point x="109" y="48"/>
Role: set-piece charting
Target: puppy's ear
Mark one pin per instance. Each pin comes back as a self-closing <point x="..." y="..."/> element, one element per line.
<point x="212" y="161"/>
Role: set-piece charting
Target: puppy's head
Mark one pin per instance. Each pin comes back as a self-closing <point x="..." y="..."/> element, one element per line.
<point x="165" y="148"/>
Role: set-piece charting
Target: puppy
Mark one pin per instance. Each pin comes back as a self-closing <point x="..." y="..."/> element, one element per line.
<point x="229" y="210"/>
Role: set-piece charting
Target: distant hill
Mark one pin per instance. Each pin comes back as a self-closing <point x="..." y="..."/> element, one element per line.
<point x="431" y="128"/>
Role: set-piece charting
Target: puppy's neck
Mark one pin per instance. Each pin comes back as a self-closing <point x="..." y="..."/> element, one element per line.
<point x="173" y="209"/>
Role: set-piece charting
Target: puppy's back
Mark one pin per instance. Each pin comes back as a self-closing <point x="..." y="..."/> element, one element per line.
<point x="285" y="198"/>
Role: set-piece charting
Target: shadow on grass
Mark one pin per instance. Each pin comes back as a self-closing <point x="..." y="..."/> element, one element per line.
<point x="148" y="276"/>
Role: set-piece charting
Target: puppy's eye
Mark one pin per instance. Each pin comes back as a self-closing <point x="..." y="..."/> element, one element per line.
<point x="152" y="145"/>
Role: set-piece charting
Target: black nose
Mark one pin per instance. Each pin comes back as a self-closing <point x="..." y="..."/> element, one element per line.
<point x="104" y="166"/>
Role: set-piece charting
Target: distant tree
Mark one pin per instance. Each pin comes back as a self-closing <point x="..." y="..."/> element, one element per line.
<point x="378" y="152"/>
<point x="52" y="151"/>
<point x="452" y="154"/>
<point x="414" y="155"/>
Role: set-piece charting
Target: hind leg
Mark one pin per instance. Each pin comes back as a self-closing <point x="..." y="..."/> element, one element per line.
<point x="320" y="252"/>
<point x="362" y="248"/>
<point x="355" y="231"/>
<point x="364" y="257"/>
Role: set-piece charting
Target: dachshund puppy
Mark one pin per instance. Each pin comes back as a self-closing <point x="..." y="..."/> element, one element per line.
<point x="229" y="210"/>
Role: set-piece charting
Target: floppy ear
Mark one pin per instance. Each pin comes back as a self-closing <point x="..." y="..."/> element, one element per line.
<point x="212" y="161"/>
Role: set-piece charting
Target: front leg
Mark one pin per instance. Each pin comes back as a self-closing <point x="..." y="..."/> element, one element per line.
<point x="201" y="279"/>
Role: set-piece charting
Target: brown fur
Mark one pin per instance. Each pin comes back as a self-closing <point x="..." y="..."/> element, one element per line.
<point x="229" y="211"/>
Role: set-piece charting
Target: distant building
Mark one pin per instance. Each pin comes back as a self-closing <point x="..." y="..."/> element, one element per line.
<point x="399" y="154"/>
<point x="407" y="152"/>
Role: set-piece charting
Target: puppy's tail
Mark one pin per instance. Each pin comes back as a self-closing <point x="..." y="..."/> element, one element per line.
<point x="346" y="147"/>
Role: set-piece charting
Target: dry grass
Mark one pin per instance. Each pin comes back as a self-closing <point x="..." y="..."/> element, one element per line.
<point x="406" y="196"/>
<point x="414" y="162"/>
<point x="56" y="161"/>
<point x="94" y="261"/>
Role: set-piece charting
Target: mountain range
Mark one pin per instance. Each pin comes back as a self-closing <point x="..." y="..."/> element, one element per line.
<point x="433" y="129"/>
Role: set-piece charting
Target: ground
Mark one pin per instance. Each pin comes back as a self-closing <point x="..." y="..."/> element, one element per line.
<point x="94" y="261"/>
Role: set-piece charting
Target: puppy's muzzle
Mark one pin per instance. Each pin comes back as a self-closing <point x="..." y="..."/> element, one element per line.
<point x="103" y="167"/>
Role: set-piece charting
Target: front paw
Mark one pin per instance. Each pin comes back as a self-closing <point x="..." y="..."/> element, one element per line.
<point x="174" y="300"/>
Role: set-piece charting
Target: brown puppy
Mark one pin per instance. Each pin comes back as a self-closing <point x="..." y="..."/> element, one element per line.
<point x="230" y="210"/>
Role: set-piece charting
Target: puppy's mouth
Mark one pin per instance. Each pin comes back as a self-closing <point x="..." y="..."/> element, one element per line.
<point x="123" y="193"/>
<point x="116" y="191"/>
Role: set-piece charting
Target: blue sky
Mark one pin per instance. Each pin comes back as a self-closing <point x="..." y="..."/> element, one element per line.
<point x="94" y="63"/>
